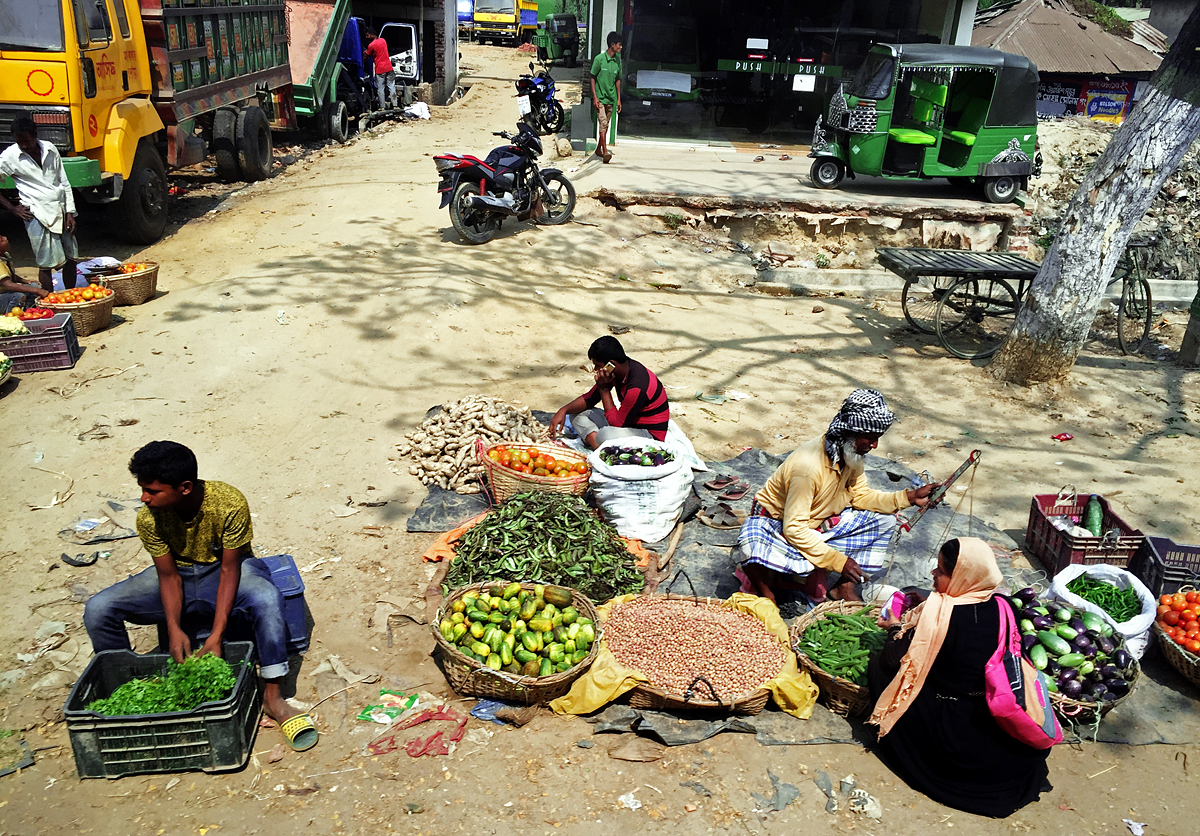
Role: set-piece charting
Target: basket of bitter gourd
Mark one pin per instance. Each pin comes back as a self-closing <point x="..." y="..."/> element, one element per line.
<point x="835" y="642"/>
<point x="515" y="642"/>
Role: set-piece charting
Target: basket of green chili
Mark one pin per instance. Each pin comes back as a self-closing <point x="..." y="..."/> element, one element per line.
<point x="835" y="642"/>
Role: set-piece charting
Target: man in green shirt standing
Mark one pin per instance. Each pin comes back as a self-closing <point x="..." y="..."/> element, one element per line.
<point x="606" y="90"/>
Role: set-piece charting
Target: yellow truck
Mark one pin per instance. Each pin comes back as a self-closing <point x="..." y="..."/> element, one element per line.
<point x="505" y="22"/>
<point x="128" y="88"/>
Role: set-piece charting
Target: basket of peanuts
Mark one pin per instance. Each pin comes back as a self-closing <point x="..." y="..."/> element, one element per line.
<point x="698" y="653"/>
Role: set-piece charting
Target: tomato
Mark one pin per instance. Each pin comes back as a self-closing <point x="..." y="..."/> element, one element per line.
<point x="1180" y="638"/>
<point x="1178" y="606"/>
<point x="1192" y="597"/>
<point x="1165" y="600"/>
<point x="1190" y="624"/>
<point x="1187" y="614"/>
<point x="1193" y="646"/>
<point x="500" y="448"/>
<point x="522" y="458"/>
<point x="1178" y="598"/>
<point x="540" y="471"/>
<point x="531" y="451"/>
<point x="1162" y="610"/>
<point x="1171" y="617"/>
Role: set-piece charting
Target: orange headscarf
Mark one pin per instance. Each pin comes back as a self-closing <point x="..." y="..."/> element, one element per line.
<point x="974" y="580"/>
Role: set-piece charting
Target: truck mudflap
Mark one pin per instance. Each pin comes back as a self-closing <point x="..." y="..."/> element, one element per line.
<point x="128" y="122"/>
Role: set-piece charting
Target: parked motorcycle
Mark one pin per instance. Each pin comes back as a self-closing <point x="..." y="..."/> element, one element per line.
<point x="543" y="109"/>
<point x="508" y="182"/>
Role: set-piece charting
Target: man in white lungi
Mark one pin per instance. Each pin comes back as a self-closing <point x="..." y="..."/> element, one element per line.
<point x="46" y="203"/>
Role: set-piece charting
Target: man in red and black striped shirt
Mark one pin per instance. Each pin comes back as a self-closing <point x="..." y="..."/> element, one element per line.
<point x="642" y="411"/>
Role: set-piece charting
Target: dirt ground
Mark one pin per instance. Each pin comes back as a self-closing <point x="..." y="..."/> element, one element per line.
<point x="307" y="322"/>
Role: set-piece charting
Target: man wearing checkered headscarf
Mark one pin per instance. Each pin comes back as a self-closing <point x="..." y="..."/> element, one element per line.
<point x="816" y="513"/>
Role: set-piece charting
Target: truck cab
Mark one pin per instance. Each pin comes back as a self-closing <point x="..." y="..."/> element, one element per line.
<point x="81" y="69"/>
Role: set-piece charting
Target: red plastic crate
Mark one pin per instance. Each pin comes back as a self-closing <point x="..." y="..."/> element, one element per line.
<point x="1164" y="565"/>
<point x="1057" y="549"/>
<point x="51" y="344"/>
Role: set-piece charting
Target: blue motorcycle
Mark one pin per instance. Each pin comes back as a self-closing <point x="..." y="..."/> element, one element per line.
<point x="545" y="112"/>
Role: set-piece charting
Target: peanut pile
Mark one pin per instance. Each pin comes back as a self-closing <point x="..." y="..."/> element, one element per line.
<point x="674" y="641"/>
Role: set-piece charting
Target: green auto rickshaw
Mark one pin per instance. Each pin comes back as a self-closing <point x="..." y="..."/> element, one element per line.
<point x="918" y="111"/>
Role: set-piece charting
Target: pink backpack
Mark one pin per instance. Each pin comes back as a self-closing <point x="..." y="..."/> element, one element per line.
<point x="1017" y="693"/>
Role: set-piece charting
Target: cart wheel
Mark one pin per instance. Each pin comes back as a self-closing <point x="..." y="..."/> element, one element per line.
<point x="827" y="172"/>
<point x="1000" y="189"/>
<point x="919" y="300"/>
<point x="974" y="317"/>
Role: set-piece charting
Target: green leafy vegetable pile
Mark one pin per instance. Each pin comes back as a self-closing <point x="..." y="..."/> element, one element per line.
<point x="546" y="537"/>
<point x="199" y="679"/>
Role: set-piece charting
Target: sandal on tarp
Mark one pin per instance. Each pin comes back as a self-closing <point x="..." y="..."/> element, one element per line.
<point x="80" y="559"/>
<point x="300" y="732"/>
<point x="734" y="492"/>
<point x="720" y="483"/>
<point x="722" y="516"/>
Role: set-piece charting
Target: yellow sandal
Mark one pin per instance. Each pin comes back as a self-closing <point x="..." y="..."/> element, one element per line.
<point x="300" y="732"/>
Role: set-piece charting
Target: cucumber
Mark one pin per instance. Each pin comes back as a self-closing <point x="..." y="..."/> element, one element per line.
<point x="1086" y="667"/>
<point x="1026" y="627"/>
<point x="477" y="629"/>
<point x="495" y="640"/>
<point x="547" y="668"/>
<point x="460" y="605"/>
<point x="1064" y="614"/>
<point x="1092" y="621"/>
<point x="570" y="615"/>
<point x="493" y="662"/>
<point x="549" y="611"/>
<point x="528" y="609"/>
<point x="530" y="640"/>
<point x="557" y="620"/>
<point x="540" y="625"/>
<point x="578" y="656"/>
<point x="573" y="631"/>
<point x="522" y="655"/>
<point x="1054" y="643"/>
<point x="480" y="649"/>
<point x="1071" y="660"/>
<point x="495" y="617"/>
<point x="569" y="646"/>
<point x="458" y="631"/>
<point x="560" y="633"/>
<point x="506" y="654"/>
<point x="468" y="603"/>
<point x="511" y="591"/>
<point x="457" y="618"/>
<point x="531" y="668"/>
<point x="586" y="632"/>
<point x="1067" y="632"/>
<point x="1039" y="657"/>
<point x="476" y="615"/>
<point x="563" y="666"/>
<point x="584" y="621"/>
<point x="447" y="628"/>
<point x="511" y="667"/>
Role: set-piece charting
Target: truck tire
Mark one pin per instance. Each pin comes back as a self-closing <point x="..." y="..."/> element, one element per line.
<point x="254" y="144"/>
<point x="225" y="144"/>
<point x="337" y="120"/>
<point x="142" y="210"/>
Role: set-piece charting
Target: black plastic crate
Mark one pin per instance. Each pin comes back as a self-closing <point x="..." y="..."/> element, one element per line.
<point x="1164" y="565"/>
<point x="214" y="736"/>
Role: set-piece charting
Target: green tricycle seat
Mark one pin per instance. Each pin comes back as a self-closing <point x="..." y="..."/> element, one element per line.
<point x="909" y="136"/>
<point x="963" y="137"/>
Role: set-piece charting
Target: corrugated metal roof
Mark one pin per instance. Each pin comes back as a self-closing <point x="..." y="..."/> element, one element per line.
<point x="1145" y="35"/>
<point x="1057" y="40"/>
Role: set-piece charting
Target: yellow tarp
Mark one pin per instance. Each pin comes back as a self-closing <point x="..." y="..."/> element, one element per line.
<point x="793" y="689"/>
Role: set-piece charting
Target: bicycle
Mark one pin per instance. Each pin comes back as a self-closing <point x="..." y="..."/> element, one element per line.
<point x="1136" y="308"/>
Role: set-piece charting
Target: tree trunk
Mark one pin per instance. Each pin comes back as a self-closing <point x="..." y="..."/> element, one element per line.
<point x="1054" y="321"/>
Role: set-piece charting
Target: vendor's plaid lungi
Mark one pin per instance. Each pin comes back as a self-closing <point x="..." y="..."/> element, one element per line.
<point x="863" y="536"/>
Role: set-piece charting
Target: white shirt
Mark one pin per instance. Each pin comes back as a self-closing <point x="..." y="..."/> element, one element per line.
<point x="44" y="189"/>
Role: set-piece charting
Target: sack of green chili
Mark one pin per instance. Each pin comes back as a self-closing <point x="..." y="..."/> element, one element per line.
<point x="1104" y="589"/>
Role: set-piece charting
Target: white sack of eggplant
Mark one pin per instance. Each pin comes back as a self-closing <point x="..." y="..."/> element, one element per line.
<point x="642" y="501"/>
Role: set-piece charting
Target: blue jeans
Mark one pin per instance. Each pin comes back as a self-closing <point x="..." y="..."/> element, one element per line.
<point x="137" y="600"/>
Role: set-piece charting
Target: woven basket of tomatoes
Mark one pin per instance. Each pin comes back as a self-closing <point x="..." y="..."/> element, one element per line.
<point x="134" y="282"/>
<point x="515" y="468"/>
<point x="1178" y="628"/>
<point x="90" y="307"/>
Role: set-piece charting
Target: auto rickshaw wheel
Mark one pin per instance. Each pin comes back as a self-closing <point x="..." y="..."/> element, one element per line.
<point x="1000" y="189"/>
<point x="827" y="172"/>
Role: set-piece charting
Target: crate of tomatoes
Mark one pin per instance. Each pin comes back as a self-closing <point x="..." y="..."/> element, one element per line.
<point x="1178" y="628"/>
<point x="515" y="468"/>
<point x="90" y="307"/>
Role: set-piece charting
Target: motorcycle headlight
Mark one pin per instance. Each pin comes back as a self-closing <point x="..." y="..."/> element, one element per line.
<point x="536" y="145"/>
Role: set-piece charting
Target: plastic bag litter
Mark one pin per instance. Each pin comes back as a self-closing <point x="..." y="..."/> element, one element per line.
<point x="97" y="526"/>
<point x="417" y="110"/>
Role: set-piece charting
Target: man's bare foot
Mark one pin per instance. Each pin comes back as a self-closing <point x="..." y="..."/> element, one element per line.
<point x="845" y="591"/>
<point x="277" y="708"/>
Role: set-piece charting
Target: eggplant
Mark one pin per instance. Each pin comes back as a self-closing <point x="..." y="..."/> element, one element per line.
<point x="1027" y="642"/>
<point x="1109" y="672"/>
<point x="1043" y="622"/>
<point x="1026" y="596"/>
<point x="1053" y="667"/>
<point x="1106" y="645"/>
<point x="1067" y="674"/>
<point x="1071" y="688"/>
<point x="1118" y="686"/>
<point x="1078" y="625"/>
<point x="1105" y="696"/>
<point x="1084" y="645"/>
<point x="1122" y="658"/>
<point x="1090" y="690"/>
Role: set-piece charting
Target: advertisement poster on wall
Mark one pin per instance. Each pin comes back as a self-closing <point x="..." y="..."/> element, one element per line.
<point x="1108" y="101"/>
